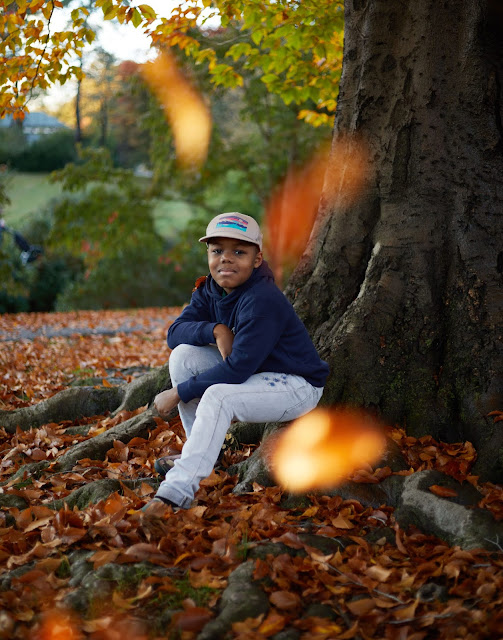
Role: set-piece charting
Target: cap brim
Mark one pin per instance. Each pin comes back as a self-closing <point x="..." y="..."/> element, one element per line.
<point x="229" y="234"/>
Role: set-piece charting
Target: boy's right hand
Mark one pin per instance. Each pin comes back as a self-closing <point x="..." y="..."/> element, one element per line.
<point x="224" y="339"/>
<point x="166" y="400"/>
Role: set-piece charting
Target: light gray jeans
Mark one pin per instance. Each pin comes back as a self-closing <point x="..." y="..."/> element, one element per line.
<point x="264" y="397"/>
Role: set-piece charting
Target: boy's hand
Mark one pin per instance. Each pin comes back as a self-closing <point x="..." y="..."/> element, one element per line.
<point x="166" y="400"/>
<point x="224" y="339"/>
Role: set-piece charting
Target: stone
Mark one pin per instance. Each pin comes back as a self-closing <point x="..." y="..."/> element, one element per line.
<point x="243" y="598"/>
<point x="456" y="520"/>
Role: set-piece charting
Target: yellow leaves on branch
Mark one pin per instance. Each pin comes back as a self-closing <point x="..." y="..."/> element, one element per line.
<point x="34" y="55"/>
<point x="295" y="47"/>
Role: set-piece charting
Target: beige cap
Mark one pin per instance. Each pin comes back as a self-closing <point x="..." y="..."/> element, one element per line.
<point x="234" y="225"/>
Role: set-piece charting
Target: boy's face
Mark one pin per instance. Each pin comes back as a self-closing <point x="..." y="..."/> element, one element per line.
<point x="231" y="261"/>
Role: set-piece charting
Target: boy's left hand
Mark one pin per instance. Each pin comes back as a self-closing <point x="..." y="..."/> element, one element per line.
<point x="166" y="400"/>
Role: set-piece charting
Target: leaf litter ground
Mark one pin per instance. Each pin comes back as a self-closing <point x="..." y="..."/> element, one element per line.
<point x="382" y="582"/>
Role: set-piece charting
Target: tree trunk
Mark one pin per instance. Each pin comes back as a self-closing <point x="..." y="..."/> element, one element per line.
<point x="78" y="127"/>
<point x="401" y="287"/>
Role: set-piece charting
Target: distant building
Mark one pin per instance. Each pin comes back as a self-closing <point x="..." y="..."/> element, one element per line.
<point x="34" y="125"/>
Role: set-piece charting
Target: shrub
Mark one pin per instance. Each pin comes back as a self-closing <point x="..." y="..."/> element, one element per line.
<point x="136" y="278"/>
<point x="48" y="153"/>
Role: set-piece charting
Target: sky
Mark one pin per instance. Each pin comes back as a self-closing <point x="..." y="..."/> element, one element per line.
<point x="123" y="41"/>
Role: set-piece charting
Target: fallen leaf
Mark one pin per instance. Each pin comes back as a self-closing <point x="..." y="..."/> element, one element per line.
<point x="193" y="619"/>
<point x="443" y="492"/>
<point x="284" y="599"/>
<point x="361" y="607"/>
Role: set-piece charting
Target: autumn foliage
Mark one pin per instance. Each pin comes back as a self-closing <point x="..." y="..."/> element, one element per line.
<point x="383" y="582"/>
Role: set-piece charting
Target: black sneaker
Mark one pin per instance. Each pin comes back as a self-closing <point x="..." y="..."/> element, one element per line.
<point x="165" y="464"/>
<point x="156" y="501"/>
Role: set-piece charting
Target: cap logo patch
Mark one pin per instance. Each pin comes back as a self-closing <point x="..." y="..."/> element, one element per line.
<point x="233" y="222"/>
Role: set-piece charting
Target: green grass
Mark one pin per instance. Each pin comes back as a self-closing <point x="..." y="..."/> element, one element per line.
<point x="28" y="193"/>
<point x="31" y="192"/>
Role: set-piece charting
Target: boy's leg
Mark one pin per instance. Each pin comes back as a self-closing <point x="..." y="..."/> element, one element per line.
<point x="184" y="362"/>
<point x="264" y="397"/>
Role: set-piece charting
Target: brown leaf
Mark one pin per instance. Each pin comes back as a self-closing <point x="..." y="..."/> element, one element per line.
<point x="376" y="572"/>
<point x="193" y="619"/>
<point x="284" y="599"/>
<point x="104" y="557"/>
<point x="144" y="551"/>
<point x="405" y="613"/>
<point x="361" y="607"/>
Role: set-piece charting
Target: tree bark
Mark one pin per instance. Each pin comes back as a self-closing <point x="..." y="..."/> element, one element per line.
<point x="401" y="283"/>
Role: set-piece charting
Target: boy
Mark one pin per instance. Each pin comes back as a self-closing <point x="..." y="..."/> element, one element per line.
<point x="240" y="352"/>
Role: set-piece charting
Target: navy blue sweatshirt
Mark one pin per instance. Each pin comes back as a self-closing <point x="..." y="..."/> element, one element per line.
<point x="268" y="334"/>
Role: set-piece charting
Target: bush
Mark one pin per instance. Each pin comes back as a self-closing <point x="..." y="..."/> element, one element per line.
<point x="13" y="304"/>
<point x="48" y="153"/>
<point x="136" y="278"/>
<point x="54" y="275"/>
<point x="12" y="143"/>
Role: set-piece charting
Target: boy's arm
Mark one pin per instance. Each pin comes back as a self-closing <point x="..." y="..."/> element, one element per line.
<point x="224" y="339"/>
<point x="252" y="344"/>
<point x="194" y="325"/>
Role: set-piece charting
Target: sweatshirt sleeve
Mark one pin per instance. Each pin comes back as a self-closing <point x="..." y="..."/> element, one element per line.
<point x="194" y="325"/>
<point x="254" y="340"/>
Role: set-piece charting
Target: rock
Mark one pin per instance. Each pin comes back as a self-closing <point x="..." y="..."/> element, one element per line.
<point x="243" y="598"/>
<point x="320" y="610"/>
<point x="98" y="586"/>
<point x="392" y="457"/>
<point x="451" y="518"/>
<point x="430" y="591"/>
<point x="8" y="501"/>
<point x="369" y="495"/>
<point x="79" y="566"/>
<point x="327" y="546"/>
<point x="268" y="548"/>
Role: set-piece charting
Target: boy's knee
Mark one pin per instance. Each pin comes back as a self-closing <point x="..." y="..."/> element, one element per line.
<point x="187" y="360"/>
<point x="180" y="360"/>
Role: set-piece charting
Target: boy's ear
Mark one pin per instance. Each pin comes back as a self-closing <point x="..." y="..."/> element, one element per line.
<point x="259" y="258"/>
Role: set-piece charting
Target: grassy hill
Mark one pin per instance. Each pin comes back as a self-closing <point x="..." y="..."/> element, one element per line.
<point x="31" y="192"/>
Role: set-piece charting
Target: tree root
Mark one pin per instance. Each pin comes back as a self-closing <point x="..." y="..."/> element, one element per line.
<point x="95" y="448"/>
<point x="79" y="402"/>
<point x="69" y="404"/>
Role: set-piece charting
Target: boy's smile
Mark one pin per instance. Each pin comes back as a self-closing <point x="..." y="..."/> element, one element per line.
<point x="232" y="261"/>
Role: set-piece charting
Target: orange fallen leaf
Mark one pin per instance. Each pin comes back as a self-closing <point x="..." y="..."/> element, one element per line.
<point x="443" y="492"/>
<point x="272" y="624"/>
<point x="342" y="523"/>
